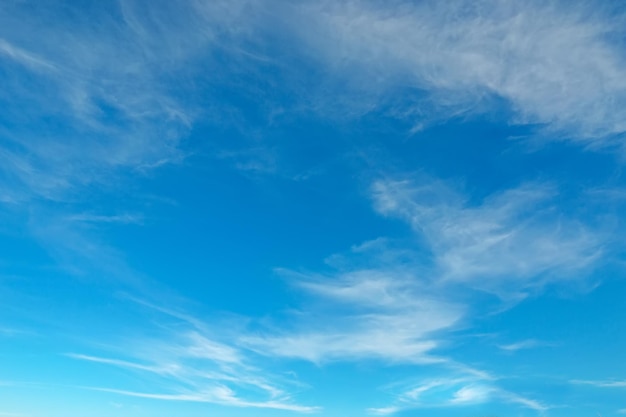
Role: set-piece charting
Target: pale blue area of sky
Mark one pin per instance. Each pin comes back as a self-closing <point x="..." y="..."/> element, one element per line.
<point x="337" y="208"/>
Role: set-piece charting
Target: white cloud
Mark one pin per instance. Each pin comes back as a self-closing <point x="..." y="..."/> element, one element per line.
<point x="367" y="314"/>
<point x="87" y="103"/>
<point x="523" y="344"/>
<point x="510" y="242"/>
<point x="216" y="395"/>
<point x="383" y="411"/>
<point x="192" y="367"/>
<point x="601" y="384"/>
<point x="168" y="369"/>
<point x="387" y="338"/>
<point x="23" y="57"/>
<point x="11" y="332"/>
<point x="124" y="218"/>
<point x="455" y="391"/>
<point x="184" y="358"/>
<point x="471" y="394"/>
<point x="556" y="63"/>
<point x="526" y="402"/>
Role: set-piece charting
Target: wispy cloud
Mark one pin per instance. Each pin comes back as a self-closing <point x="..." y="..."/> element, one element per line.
<point x="456" y="391"/>
<point x="455" y="58"/>
<point x="125" y="218"/>
<point x="383" y="411"/>
<point x="87" y="104"/>
<point x="472" y="394"/>
<point x="127" y="364"/>
<point x="557" y="64"/>
<point x="376" y="314"/>
<point x="601" y="384"/>
<point x="509" y="242"/>
<point x="190" y="366"/>
<point x="11" y="332"/>
<point x="216" y="395"/>
<point x="526" y="402"/>
<point x="523" y="344"/>
<point x="190" y="359"/>
<point x="17" y="54"/>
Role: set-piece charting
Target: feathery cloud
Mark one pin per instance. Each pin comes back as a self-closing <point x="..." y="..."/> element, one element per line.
<point x="455" y="391"/>
<point x="554" y="63"/>
<point x="510" y="242"/>
<point x="376" y="314"/>
<point x="192" y="367"/>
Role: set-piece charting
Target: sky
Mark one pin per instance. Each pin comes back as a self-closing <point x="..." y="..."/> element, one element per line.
<point x="336" y="208"/>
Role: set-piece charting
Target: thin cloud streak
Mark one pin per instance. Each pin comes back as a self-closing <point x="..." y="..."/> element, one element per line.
<point x="126" y="218"/>
<point x="165" y="370"/>
<point x="522" y="345"/>
<point x="190" y="369"/>
<point x="23" y="57"/>
<point x="190" y="365"/>
<point x="526" y="402"/>
<point x="457" y="391"/>
<point x="601" y="384"/>
<point x="217" y="395"/>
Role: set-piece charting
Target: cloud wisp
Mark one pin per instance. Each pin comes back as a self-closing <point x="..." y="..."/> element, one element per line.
<point x="456" y="391"/>
<point x="361" y="315"/>
<point x="556" y="64"/>
<point x="220" y="395"/>
<point x="190" y="366"/>
<point x="511" y="242"/>
<point x="601" y="384"/>
<point x="523" y="345"/>
<point x="88" y="103"/>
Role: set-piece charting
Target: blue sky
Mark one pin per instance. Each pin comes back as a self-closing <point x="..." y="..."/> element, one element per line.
<point x="337" y="208"/>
